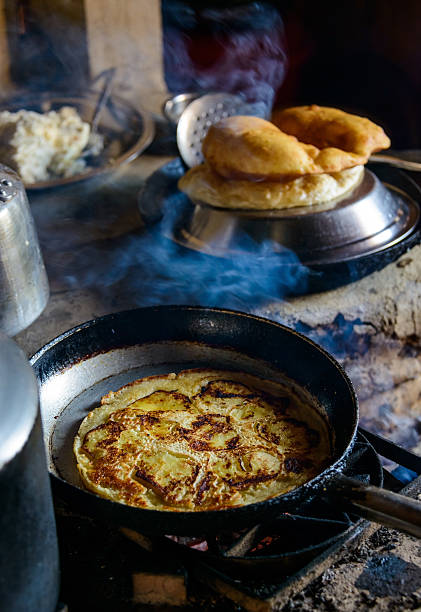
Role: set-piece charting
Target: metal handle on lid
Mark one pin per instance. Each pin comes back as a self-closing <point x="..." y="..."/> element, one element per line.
<point x="7" y="189"/>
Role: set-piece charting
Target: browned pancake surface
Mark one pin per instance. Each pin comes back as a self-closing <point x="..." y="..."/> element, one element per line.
<point x="200" y="440"/>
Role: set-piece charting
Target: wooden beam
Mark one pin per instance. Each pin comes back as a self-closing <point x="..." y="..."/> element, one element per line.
<point x="47" y="41"/>
<point x="128" y="35"/>
<point x="5" y="81"/>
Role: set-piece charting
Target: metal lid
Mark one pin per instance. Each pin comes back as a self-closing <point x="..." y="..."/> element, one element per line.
<point x="18" y="399"/>
<point x="9" y="184"/>
<point x="373" y="217"/>
<point x="174" y="106"/>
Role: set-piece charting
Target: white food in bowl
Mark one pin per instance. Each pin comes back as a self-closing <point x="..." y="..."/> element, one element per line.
<point x="40" y="146"/>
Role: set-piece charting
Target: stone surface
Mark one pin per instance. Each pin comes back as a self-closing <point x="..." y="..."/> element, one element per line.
<point x="373" y="327"/>
<point x="382" y="573"/>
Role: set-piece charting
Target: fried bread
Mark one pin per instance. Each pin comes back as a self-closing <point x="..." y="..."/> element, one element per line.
<point x="307" y="155"/>
<point x="200" y="440"/>
<point x="326" y="127"/>
<point x="244" y="147"/>
<point x="202" y="184"/>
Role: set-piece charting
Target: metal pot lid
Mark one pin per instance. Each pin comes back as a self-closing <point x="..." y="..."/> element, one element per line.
<point x="18" y="399"/>
<point x="374" y="216"/>
<point x="371" y="218"/>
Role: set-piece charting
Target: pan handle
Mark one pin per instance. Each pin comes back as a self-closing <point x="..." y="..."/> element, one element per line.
<point x="378" y="505"/>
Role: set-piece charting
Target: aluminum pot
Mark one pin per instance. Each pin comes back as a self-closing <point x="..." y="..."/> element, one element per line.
<point x="23" y="280"/>
<point x="29" y="562"/>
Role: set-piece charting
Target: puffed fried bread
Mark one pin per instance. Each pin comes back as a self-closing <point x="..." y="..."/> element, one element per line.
<point x="326" y="127"/>
<point x="200" y="440"/>
<point x="313" y="155"/>
<point x="251" y="148"/>
<point x="203" y="184"/>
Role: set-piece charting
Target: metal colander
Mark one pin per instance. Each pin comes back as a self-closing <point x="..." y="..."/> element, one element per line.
<point x="200" y="114"/>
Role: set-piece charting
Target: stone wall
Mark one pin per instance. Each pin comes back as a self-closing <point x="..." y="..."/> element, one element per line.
<point x="373" y="327"/>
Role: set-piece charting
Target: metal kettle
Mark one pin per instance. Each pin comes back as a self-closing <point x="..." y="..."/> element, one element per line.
<point x="23" y="280"/>
<point x="29" y="562"/>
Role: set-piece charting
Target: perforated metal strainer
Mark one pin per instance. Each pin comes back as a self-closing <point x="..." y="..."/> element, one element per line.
<point x="205" y="110"/>
<point x="200" y="114"/>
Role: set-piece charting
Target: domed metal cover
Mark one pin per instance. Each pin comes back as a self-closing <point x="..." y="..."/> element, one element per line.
<point x="18" y="400"/>
<point x="369" y="219"/>
<point x="375" y="216"/>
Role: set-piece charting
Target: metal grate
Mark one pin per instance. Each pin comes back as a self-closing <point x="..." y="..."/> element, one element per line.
<point x="266" y="565"/>
<point x="262" y="568"/>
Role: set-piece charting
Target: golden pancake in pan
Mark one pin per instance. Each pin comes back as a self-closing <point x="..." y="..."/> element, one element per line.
<point x="200" y="440"/>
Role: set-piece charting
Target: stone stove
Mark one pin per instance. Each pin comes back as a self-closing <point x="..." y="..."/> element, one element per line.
<point x="372" y="327"/>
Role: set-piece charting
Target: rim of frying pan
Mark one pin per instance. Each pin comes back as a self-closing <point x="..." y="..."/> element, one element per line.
<point x="201" y="520"/>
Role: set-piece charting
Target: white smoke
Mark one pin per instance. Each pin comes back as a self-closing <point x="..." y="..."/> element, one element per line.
<point x="250" y="60"/>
